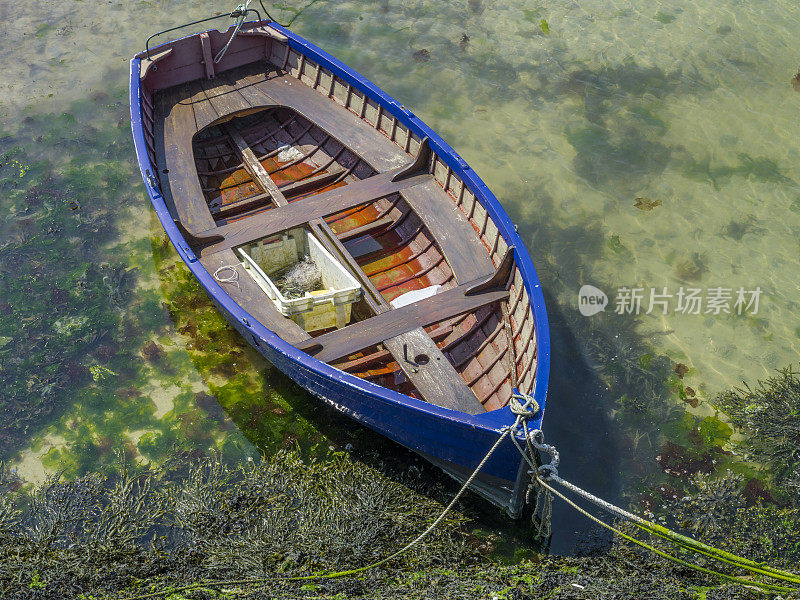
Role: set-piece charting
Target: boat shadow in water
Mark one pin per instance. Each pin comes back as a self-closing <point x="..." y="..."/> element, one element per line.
<point x="579" y="425"/>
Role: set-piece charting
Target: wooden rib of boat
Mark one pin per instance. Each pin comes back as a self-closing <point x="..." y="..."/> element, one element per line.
<point x="279" y="137"/>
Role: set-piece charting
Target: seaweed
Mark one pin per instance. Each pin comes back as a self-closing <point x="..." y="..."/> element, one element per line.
<point x="646" y="203"/>
<point x="193" y="516"/>
<point x="422" y="55"/>
<point x="769" y="413"/>
<point x="712" y="505"/>
<point x="131" y="530"/>
<point x="544" y="27"/>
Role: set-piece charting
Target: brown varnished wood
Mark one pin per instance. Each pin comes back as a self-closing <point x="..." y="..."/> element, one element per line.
<point x="332" y="244"/>
<point x="261" y="88"/>
<point x="501" y="278"/>
<point x="289" y="190"/>
<point x="240" y="206"/>
<point x="255" y="168"/>
<point x="444" y="305"/>
<point x="455" y="236"/>
<point x="369" y="228"/>
<point x="174" y="153"/>
<point x="252" y="298"/>
<point x="313" y="182"/>
<point x="433" y="377"/>
<point x="318" y="206"/>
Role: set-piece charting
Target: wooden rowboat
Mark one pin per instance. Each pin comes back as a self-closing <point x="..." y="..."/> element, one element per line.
<point x="276" y="142"/>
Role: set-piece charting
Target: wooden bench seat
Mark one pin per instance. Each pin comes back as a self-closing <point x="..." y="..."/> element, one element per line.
<point x="175" y="126"/>
<point x="431" y="373"/>
<point x="250" y="88"/>
<point x="457" y="239"/>
<point x="368" y="333"/>
<point x="309" y="208"/>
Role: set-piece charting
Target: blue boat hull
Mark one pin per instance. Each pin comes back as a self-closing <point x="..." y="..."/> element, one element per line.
<point x="453" y="440"/>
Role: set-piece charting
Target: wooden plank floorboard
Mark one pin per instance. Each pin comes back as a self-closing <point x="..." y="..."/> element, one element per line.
<point x="204" y="111"/>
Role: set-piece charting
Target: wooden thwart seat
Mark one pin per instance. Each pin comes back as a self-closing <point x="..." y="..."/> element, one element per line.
<point x="431" y="373"/>
<point x="367" y="333"/>
<point x="302" y="211"/>
<point x="175" y="125"/>
<point x="457" y="240"/>
<point x="250" y="88"/>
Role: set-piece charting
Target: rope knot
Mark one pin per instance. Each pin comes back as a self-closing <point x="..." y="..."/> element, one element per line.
<point x="239" y="11"/>
<point x="536" y="440"/>
<point x="547" y="471"/>
<point x="523" y="405"/>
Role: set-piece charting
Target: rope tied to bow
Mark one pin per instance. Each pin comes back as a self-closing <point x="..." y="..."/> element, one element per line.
<point x="240" y="14"/>
<point x="526" y="408"/>
<point x="545" y="474"/>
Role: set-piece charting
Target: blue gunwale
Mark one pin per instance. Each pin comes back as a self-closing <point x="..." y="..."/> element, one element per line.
<point x="485" y="426"/>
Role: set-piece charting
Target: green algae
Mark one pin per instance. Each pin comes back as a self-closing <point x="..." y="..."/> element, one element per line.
<point x="74" y="313"/>
<point x="197" y="519"/>
<point x="266" y="407"/>
<point x="769" y="413"/>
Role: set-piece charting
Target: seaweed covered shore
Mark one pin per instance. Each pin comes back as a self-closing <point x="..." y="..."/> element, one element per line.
<point x="133" y="530"/>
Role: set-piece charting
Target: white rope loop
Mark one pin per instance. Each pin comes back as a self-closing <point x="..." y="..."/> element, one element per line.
<point x="232" y="278"/>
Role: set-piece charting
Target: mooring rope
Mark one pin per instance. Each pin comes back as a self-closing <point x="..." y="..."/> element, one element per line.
<point x="518" y="409"/>
<point x="240" y="14"/>
<point x="525" y="407"/>
<point x="548" y="472"/>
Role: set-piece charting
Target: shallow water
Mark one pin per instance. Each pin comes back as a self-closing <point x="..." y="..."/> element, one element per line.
<point x="685" y="109"/>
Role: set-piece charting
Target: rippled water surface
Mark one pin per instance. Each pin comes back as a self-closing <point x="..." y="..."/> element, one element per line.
<point x="636" y="144"/>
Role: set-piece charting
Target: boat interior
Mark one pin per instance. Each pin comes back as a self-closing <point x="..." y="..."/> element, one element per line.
<point x="268" y="162"/>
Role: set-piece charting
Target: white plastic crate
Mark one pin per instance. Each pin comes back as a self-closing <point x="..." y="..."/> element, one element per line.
<point x="328" y="307"/>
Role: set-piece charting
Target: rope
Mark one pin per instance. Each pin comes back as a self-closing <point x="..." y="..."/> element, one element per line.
<point x="675" y="559"/>
<point x="240" y="14"/>
<point x="525" y="407"/>
<point x="549" y="472"/>
<point x="234" y="278"/>
<point x="523" y="410"/>
<point x="682" y="540"/>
